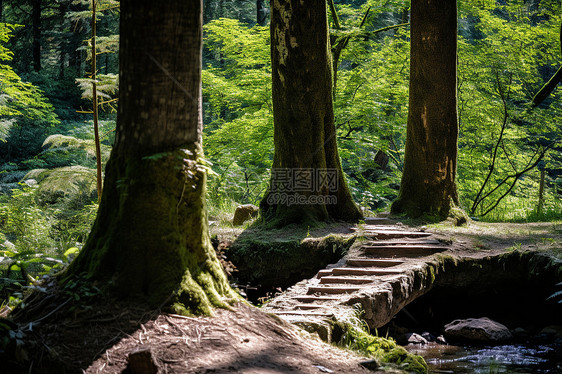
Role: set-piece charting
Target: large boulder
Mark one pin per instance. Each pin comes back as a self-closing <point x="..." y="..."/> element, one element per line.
<point x="482" y="330"/>
<point x="244" y="213"/>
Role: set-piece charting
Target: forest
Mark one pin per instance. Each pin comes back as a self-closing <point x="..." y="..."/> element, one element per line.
<point x="465" y="129"/>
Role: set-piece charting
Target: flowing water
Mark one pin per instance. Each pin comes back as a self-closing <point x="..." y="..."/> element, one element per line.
<point x="528" y="359"/>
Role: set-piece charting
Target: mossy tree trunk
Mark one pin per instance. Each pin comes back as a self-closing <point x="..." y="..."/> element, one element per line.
<point x="307" y="182"/>
<point x="150" y="238"/>
<point x="430" y="164"/>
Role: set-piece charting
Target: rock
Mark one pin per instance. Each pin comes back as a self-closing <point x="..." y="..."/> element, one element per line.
<point x="428" y="336"/>
<point x="244" y="213"/>
<point x="477" y="330"/>
<point x="520" y="332"/>
<point x="552" y="332"/>
<point x="413" y="338"/>
<point x="441" y="339"/>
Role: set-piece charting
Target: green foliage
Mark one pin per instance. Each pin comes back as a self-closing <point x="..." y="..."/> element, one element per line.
<point x="37" y="240"/>
<point x="557" y="294"/>
<point x="238" y="114"/>
<point x="60" y="150"/>
<point x="502" y="52"/>
<point x="24" y="112"/>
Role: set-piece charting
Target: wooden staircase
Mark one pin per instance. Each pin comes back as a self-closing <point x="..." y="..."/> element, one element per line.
<point x="380" y="259"/>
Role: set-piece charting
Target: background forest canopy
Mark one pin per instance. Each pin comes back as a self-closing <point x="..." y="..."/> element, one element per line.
<point x="507" y="51"/>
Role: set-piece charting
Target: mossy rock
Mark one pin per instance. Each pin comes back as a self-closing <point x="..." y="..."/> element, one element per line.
<point x="385" y="351"/>
<point x="399" y="356"/>
<point x="61" y="150"/>
<point x="273" y="258"/>
<point x="71" y="187"/>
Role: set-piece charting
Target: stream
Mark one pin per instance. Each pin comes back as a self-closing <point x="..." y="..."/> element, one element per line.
<point x="516" y="358"/>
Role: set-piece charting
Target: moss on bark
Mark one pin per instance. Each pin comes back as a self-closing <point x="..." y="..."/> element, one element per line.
<point x="304" y="135"/>
<point x="151" y="238"/>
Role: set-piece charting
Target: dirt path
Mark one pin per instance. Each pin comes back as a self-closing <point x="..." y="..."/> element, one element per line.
<point x="246" y="340"/>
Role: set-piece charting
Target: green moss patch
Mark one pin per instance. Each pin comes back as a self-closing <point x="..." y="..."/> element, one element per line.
<point x="385" y="351"/>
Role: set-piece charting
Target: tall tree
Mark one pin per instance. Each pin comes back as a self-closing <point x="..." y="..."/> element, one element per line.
<point x="307" y="181"/>
<point x="36" y="26"/>
<point x="430" y="161"/>
<point x="150" y="237"/>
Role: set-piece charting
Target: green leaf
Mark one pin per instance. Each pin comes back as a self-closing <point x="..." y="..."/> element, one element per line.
<point x="71" y="251"/>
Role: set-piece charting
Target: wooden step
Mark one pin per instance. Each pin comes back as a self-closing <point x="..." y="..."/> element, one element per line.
<point x="309" y="306"/>
<point x="372" y="262"/>
<point x="311" y="299"/>
<point x="334" y="290"/>
<point x="410" y="250"/>
<point x="405" y="241"/>
<point x="390" y="234"/>
<point x="379" y="221"/>
<point x="364" y="271"/>
<point x="323" y="273"/>
<point x="349" y="280"/>
<point x="311" y="313"/>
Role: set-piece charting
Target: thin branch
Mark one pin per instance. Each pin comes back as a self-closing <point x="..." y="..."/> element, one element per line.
<point x="478" y="199"/>
<point x="516" y="178"/>
<point x="336" y="19"/>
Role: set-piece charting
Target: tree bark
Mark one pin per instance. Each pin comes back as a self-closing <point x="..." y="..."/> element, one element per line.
<point x="95" y="108"/>
<point x="63" y="45"/>
<point x="36" y="31"/>
<point x="262" y="11"/>
<point x="430" y="164"/>
<point x="307" y="181"/>
<point x="150" y="238"/>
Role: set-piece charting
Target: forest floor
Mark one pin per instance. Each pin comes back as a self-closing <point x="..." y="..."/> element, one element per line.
<point x="101" y="338"/>
<point x="240" y="340"/>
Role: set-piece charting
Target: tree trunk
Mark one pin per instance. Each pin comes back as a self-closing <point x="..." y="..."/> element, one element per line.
<point x="547" y="89"/>
<point x="262" y="11"/>
<point x="63" y="45"/>
<point x="430" y="164"/>
<point x="95" y="108"/>
<point x="150" y="238"/>
<point x="540" y="204"/>
<point x="36" y="31"/>
<point x="307" y="181"/>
